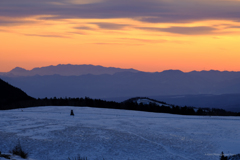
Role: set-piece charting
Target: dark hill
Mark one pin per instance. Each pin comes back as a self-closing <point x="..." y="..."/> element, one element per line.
<point x="10" y="94"/>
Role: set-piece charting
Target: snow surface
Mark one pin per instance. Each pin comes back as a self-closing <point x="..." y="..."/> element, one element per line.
<point x="50" y="133"/>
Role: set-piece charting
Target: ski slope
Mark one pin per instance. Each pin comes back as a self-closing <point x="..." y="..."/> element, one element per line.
<point x="50" y="133"/>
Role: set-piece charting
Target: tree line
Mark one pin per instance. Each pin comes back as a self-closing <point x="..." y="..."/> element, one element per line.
<point x="126" y="105"/>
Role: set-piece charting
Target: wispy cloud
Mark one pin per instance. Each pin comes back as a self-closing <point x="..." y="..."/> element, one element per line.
<point x="233" y="27"/>
<point x="150" y="41"/>
<point x="84" y="28"/>
<point x="79" y="33"/>
<point x="111" y="26"/>
<point x="47" y="35"/>
<point x="145" y="40"/>
<point x="112" y="43"/>
<point x="183" y="30"/>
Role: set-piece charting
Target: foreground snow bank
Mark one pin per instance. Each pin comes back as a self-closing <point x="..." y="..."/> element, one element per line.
<point x="50" y="133"/>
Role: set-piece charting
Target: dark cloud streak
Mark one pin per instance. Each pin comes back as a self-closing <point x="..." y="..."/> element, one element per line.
<point x="111" y="26"/>
<point x="84" y="28"/>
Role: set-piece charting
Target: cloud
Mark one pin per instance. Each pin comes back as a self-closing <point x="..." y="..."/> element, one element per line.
<point x="125" y="44"/>
<point x="84" y="28"/>
<point x="183" y="30"/>
<point x="154" y="11"/>
<point x="47" y="35"/>
<point x="3" y="30"/>
<point x="111" y="26"/>
<point x="14" y="22"/>
<point x="145" y="40"/>
<point x="189" y="30"/>
<point x="103" y="25"/>
<point x="79" y="33"/>
<point x="234" y="27"/>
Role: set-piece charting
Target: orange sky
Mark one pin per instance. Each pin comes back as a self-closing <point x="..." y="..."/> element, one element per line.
<point x="139" y="42"/>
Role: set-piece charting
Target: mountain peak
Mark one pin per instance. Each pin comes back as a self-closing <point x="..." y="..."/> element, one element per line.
<point x="18" y="69"/>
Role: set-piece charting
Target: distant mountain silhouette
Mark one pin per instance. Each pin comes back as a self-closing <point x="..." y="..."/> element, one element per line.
<point x="10" y="94"/>
<point x="128" y="84"/>
<point x="99" y="82"/>
<point x="66" y="70"/>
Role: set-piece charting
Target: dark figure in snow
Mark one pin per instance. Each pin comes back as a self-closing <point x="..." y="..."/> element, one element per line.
<point x="222" y="157"/>
<point x="71" y="114"/>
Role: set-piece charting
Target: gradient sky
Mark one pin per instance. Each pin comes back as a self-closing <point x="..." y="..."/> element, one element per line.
<point x="148" y="35"/>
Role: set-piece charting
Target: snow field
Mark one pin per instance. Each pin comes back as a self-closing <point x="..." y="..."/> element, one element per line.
<point x="50" y="133"/>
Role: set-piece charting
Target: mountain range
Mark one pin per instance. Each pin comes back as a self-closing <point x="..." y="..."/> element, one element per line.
<point x="128" y="84"/>
<point x="197" y="88"/>
<point x="65" y="70"/>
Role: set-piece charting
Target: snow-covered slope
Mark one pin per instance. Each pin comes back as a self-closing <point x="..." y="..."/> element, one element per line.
<point x="147" y="101"/>
<point x="50" y="133"/>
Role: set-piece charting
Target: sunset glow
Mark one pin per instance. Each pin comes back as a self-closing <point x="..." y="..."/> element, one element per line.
<point x="148" y="35"/>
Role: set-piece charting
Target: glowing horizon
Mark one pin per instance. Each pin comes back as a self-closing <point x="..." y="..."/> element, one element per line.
<point x="145" y="35"/>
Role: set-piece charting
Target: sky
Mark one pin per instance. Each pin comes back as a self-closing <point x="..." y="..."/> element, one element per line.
<point x="148" y="35"/>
